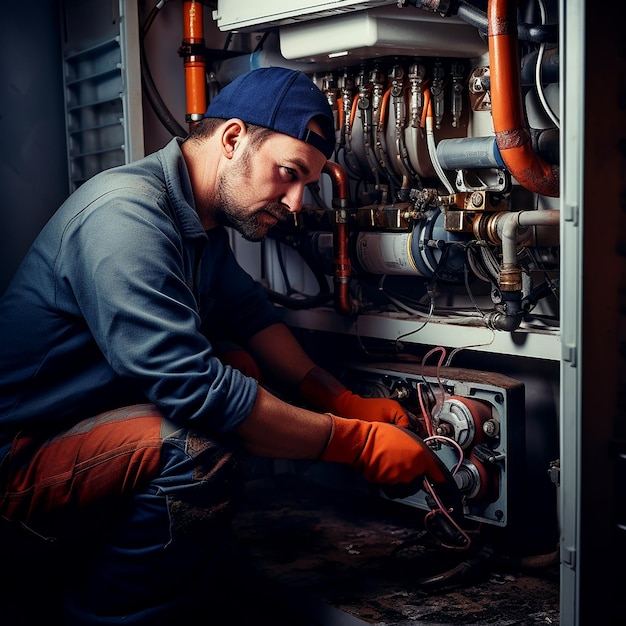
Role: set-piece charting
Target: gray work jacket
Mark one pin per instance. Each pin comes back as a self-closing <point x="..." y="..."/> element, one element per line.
<point x="117" y="302"/>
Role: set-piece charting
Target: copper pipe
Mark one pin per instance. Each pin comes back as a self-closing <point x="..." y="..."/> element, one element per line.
<point x="512" y="134"/>
<point x="340" y="113"/>
<point x="192" y="50"/>
<point x="340" y="182"/>
<point x="426" y="108"/>
<point x="384" y="106"/>
<point x="355" y="106"/>
<point x="341" y="261"/>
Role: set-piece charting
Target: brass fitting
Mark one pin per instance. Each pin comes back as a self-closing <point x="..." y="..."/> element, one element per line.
<point x="510" y="278"/>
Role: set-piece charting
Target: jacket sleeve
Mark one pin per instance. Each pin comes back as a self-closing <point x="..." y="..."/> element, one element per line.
<point x="132" y="282"/>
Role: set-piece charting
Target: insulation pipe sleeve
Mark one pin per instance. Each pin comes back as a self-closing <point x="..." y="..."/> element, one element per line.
<point x="469" y="153"/>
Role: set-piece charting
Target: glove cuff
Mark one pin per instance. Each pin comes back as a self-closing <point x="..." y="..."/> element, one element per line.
<point x="321" y="390"/>
<point x="346" y="440"/>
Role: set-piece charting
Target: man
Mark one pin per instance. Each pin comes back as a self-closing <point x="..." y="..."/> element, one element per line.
<point x="121" y="428"/>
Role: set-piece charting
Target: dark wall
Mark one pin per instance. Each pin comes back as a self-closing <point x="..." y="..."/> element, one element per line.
<point x="33" y="162"/>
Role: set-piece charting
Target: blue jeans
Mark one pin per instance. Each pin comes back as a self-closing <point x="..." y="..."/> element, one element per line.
<point x="140" y="509"/>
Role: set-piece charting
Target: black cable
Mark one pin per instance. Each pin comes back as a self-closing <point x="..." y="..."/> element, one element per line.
<point x="156" y="102"/>
<point x="153" y="96"/>
<point x="324" y="295"/>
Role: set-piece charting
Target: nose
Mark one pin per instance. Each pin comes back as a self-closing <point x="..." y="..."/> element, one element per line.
<point x="293" y="198"/>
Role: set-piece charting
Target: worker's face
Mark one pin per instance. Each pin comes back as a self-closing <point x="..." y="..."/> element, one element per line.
<point x="263" y="185"/>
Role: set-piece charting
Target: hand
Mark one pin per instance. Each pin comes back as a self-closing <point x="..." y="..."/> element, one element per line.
<point x="349" y="404"/>
<point x="326" y="393"/>
<point x="386" y="455"/>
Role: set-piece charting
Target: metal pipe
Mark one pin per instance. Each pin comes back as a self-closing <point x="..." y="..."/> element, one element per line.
<point x="509" y="227"/>
<point x="193" y="53"/>
<point x="512" y="134"/>
<point x="342" y="266"/>
<point x="469" y="153"/>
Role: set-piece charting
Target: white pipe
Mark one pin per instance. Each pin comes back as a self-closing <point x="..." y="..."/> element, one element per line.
<point x="510" y="225"/>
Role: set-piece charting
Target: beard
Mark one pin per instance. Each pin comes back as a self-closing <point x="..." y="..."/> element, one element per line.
<point x="247" y="222"/>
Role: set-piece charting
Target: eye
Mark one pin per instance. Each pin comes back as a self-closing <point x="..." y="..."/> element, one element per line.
<point x="289" y="173"/>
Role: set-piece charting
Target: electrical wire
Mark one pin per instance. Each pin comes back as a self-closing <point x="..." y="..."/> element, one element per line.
<point x="490" y="263"/>
<point x="150" y="89"/>
<point x="476" y="345"/>
<point x="538" y="82"/>
<point x="440" y="509"/>
<point x="153" y="13"/>
<point x="425" y="411"/>
<point x="547" y="278"/>
<point x="430" y="313"/>
<point x="449" y="314"/>
<point x="475" y="264"/>
<point x="302" y="301"/>
<point x="453" y="444"/>
<point x="442" y="392"/>
<point x="468" y="289"/>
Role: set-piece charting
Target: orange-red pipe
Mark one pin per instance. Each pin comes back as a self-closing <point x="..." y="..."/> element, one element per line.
<point x="339" y="180"/>
<point x="511" y="130"/>
<point x="355" y="106"/>
<point x="384" y="108"/>
<point x="194" y="61"/>
<point x="340" y="113"/>
<point x="427" y="109"/>
<point x="342" y="266"/>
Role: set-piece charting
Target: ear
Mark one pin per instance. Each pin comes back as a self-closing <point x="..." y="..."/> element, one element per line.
<point x="233" y="132"/>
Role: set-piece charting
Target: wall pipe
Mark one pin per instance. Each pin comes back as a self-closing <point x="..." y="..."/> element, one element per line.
<point x="512" y="134"/>
<point x="193" y="53"/>
<point x="342" y="266"/>
<point x="536" y="33"/>
<point x="510" y="225"/>
<point x="510" y="228"/>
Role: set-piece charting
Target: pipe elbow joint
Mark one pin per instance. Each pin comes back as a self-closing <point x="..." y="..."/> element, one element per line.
<point x="500" y="320"/>
<point x="509" y="315"/>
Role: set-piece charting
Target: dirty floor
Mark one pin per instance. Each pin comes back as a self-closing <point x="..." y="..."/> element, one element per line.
<point x="308" y="555"/>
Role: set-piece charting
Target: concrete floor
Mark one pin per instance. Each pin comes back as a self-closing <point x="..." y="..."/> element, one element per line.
<point x="318" y="556"/>
<point x="304" y="553"/>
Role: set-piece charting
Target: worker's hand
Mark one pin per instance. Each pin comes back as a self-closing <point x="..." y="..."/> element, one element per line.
<point x="349" y="404"/>
<point x="324" y="392"/>
<point x="386" y="455"/>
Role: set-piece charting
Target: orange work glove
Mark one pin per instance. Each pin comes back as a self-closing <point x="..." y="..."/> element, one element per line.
<point x="388" y="456"/>
<point x="326" y="393"/>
